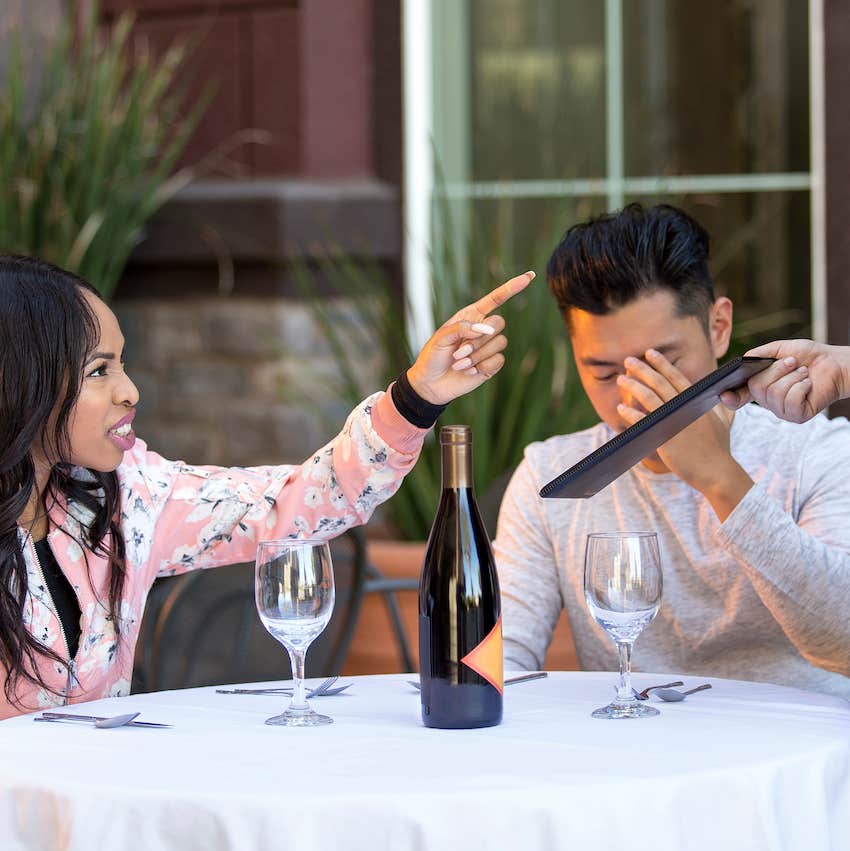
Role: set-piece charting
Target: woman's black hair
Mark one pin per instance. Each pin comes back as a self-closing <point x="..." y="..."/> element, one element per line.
<point x="48" y="330"/>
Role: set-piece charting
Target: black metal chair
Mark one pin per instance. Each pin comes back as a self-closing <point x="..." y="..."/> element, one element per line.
<point x="202" y="628"/>
<point x="377" y="583"/>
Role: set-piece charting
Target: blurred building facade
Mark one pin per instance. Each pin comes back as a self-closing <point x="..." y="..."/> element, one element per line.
<point x="565" y="109"/>
<point x="298" y="153"/>
<point x="542" y="113"/>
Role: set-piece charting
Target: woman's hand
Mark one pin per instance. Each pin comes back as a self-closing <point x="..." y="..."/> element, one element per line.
<point x="806" y="378"/>
<point x="467" y="350"/>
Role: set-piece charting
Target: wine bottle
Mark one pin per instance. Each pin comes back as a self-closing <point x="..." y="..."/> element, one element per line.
<point x="460" y="624"/>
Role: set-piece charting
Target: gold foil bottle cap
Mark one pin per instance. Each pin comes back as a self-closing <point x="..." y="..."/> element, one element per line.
<point x="455" y="434"/>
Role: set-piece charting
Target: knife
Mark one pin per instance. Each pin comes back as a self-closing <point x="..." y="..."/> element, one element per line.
<point x="66" y="716"/>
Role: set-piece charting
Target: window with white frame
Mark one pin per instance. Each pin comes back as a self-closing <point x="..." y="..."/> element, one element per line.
<point x="546" y="112"/>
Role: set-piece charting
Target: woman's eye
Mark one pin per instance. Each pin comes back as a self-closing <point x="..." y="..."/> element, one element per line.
<point x="610" y="377"/>
<point x="98" y="372"/>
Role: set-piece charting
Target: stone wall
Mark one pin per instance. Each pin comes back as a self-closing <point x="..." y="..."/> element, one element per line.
<point x="220" y="338"/>
<point x="236" y="381"/>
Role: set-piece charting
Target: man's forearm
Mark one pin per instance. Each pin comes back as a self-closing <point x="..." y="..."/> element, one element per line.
<point x="726" y="490"/>
<point x="803" y="581"/>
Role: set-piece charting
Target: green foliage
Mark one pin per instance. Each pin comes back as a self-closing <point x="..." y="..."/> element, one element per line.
<point x="535" y="395"/>
<point x="87" y="158"/>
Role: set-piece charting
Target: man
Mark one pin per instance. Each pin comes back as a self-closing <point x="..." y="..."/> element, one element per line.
<point x="752" y="512"/>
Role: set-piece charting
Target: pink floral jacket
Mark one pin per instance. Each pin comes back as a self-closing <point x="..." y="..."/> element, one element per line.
<point x="176" y="517"/>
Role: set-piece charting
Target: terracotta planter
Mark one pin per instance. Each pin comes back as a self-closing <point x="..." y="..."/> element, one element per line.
<point x="562" y="651"/>
<point x="374" y="648"/>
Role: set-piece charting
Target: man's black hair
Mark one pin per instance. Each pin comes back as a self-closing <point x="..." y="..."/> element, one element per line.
<point x="608" y="262"/>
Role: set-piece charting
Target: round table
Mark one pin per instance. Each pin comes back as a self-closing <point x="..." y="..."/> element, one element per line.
<point x="741" y="766"/>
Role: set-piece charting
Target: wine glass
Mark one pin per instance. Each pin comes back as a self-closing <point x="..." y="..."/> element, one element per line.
<point x="622" y="588"/>
<point x="294" y="590"/>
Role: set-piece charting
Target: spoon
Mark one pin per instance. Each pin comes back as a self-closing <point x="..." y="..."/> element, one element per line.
<point x="672" y="695"/>
<point x="116" y="721"/>
<point x="644" y="695"/>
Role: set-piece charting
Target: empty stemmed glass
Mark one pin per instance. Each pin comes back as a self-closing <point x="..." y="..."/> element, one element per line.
<point x="294" y="591"/>
<point x="622" y="588"/>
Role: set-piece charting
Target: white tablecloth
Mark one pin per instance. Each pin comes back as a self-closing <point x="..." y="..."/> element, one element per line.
<point x="742" y="766"/>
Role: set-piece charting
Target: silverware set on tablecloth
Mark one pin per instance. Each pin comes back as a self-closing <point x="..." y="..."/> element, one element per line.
<point x="667" y="693"/>
<point x="100" y="721"/>
<point x="324" y="689"/>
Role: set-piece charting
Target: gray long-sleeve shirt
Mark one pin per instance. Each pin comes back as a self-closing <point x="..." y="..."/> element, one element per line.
<point x="764" y="595"/>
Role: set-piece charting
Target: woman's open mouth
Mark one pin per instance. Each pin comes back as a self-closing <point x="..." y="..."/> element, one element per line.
<point x="122" y="434"/>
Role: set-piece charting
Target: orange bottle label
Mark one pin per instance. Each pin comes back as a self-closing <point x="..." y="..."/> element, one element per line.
<point x="487" y="658"/>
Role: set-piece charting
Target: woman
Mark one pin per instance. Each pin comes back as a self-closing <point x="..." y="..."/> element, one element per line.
<point x="89" y="517"/>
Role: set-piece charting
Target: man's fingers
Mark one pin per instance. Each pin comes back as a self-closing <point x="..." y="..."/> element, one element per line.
<point x="644" y="374"/>
<point x="629" y="414"/>
<point x="678" y="380"/>
<point x="497" y="297"/>
<point x="647" y="374"/>
<point x="734" y="399"/>
<point x="640" y="392"/>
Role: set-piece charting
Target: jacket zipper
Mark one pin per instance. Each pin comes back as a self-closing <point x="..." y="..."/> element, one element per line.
<point x="70" y="666"/>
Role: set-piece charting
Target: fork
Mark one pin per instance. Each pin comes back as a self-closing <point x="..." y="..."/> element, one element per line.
<point x="644" y="695"/>
<point x="322" y="690"/>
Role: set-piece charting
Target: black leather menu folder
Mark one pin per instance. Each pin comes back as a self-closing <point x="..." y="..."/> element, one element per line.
<point x="626" y="449"/>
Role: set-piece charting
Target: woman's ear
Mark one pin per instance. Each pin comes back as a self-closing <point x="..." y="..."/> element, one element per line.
<point x="720" y="326"/>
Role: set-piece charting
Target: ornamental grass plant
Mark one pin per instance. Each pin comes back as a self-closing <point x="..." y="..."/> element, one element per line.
<point x="88" y="155"/>
<point x="536" y="394"/>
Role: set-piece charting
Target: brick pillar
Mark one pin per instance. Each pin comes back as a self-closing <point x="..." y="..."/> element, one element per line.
<point x="837" y="80"/>
<point x="337" y="92"/>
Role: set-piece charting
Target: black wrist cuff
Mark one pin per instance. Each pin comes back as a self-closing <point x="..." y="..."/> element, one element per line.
<point x="412" y="406"/>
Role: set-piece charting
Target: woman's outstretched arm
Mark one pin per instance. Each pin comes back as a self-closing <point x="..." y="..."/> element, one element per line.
<point x="208" y="516"/>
